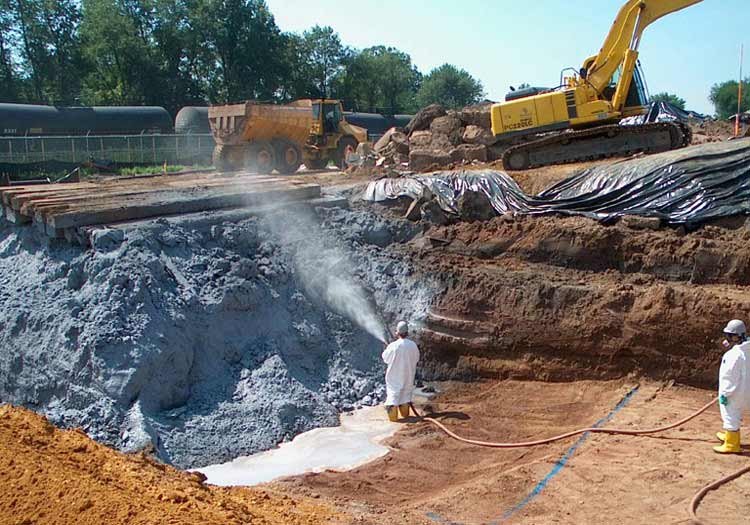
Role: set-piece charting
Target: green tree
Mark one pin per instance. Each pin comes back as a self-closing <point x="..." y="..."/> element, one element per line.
<point x="314" y="64"/>
<point x="670" y="98"/>
<point x="296" y="82"/>
<point x="380" y="79"/>
<point x="244" y="50"/>
<point x="324" y="58"/>
<point x="49" y="48"/>
<point x="182" y="76"/>
<point x="451" y="87"/>
<point x="8" y="74"/>
<point x="119" y="54"/>
<point x="724" y="97"/>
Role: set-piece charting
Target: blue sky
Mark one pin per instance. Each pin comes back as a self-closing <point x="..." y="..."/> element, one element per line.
<point x="507" y="42"/>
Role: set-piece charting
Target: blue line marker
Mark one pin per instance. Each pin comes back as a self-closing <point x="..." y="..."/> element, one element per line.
<point x="559" y="465"/>
<point x="564" y="460"/>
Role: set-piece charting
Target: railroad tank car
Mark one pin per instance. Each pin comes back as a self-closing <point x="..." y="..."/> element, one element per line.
<point x="192" y="119"/>
<point x="32" y="120"/>
<point x="375" y="123"/>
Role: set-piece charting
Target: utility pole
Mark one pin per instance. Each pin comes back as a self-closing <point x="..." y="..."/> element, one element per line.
<point x="739" y="95"/>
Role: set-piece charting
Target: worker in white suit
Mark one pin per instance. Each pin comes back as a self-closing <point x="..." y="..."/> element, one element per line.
<point x="734" y="386"/>
<point x="401" y="356"/>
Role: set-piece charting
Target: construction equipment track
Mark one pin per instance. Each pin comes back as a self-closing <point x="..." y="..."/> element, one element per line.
<point x="597" y="143"/>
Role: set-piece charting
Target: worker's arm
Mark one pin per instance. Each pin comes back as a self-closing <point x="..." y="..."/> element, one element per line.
<point x="387" y="355"/>
<point x="730" y="374"/>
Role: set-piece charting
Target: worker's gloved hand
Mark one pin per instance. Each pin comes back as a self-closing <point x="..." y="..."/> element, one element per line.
<point x="723" y="400"/>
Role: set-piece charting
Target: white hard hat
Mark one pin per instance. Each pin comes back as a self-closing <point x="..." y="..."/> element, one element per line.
<point x="735" y="327"/>
<point x="402" y="328"/>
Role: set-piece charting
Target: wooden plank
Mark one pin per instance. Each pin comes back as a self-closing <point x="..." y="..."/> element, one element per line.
<point x="189" y="205"/>
<point x="27" y="204"/>
<point x="8" y="192"/>
<point x="220" y="215"/>
<point x="47" y="209"/>
<point x="17" y="198"/>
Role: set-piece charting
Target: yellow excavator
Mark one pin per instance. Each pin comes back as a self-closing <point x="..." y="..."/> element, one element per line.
<point x="579" y="120"/>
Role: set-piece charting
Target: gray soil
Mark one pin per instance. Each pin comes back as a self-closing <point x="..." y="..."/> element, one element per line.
<point x="207" y="336"/>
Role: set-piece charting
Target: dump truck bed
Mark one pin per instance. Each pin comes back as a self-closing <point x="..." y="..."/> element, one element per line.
<point x="234" y="124"/>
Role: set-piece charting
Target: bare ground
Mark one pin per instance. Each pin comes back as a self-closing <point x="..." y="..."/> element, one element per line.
<point x="430" y="478"/>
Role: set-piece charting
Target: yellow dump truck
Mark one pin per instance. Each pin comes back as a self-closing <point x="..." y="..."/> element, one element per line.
<point x="263" y="137"/>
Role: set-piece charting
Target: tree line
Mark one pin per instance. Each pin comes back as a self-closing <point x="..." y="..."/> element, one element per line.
<point x="176" y="53"/>
<point x="723" y="96"/>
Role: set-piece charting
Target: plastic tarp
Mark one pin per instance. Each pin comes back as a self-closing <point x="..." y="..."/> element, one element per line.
<point x="663" y="112"/>
<point x="684" y="186"/>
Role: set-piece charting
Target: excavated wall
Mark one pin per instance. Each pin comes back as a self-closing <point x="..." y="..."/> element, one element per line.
<point x="206" y="337"/>
<point x="560" y="299"/>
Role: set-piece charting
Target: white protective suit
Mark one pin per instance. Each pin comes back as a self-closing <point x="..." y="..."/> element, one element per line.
<point x="734" y="383"/>
<point x="401" y="356"/>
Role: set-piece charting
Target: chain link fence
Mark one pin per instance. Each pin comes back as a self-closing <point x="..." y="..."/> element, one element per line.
<point x="119" y="149"/>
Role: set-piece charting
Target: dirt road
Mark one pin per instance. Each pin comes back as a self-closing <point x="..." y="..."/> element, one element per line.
<point x="429" y="478"/>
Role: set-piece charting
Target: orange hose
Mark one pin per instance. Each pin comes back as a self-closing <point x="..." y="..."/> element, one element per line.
<point x="712" y="486"/>
<point x="694" y="503"/>
<point x="567" y="435"/>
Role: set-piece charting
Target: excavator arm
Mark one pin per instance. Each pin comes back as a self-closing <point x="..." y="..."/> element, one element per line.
<point x="620" y="48"/>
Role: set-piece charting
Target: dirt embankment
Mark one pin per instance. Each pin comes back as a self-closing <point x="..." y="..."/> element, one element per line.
<point x="558" y="298"/>
<point x="52" y="476"/>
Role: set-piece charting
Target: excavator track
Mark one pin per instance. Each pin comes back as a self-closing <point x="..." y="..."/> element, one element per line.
<point x="598" y="143"/>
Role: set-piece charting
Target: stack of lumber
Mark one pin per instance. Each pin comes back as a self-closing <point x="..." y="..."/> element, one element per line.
<point x="56" y="208"/>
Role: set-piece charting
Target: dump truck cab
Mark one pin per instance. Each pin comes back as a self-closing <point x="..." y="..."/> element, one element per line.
<point x="331" y="136"/>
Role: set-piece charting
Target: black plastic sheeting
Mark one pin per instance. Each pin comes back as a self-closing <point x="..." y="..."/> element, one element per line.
<point x="663" y="112"/>
<point x="686" y="186"/>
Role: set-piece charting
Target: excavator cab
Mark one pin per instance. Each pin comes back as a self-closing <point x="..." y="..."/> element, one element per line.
<point x="637" y="98"/>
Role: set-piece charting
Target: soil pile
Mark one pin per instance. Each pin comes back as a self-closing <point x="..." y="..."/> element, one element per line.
<point x="436" y="138"/>
<point x="711" y="131"/>
<point x="52" y="476"/>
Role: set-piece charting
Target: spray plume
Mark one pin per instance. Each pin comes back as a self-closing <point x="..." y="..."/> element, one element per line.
<point x="325" y="270"/>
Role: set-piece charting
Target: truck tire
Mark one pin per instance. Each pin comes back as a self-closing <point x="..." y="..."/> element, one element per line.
<point x="316" y="164"/>
<point x="347" y="145"/>
<point x="260" y="157"/>
<point x="223" y="158"/>
<point x="288" y="156"/>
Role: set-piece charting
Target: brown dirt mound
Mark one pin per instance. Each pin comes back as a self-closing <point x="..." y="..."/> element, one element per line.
<point x="51" y="476"/>
<point x="711" y="131"/>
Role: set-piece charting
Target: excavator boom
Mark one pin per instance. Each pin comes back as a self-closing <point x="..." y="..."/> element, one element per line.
<point x="625" y="36"/>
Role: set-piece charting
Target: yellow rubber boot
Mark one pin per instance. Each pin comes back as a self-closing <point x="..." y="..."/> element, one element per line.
<point x="392" y="413"/>
<point x="721" y="436"/>
<point x="403" y="410"/>
<point x="731" y="444"/>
